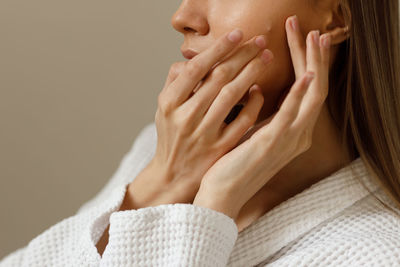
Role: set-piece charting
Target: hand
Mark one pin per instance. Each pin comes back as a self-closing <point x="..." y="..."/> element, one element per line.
<point x="191" y="130"/>
<point x="238" y="175"/>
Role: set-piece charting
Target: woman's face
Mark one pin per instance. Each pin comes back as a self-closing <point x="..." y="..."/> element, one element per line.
<point x="203" y="21"/>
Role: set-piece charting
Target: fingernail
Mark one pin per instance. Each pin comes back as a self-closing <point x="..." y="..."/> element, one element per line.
<point x="260" y="41"/>
<point x="266" y="56"/>
<point x="326" y="40"/>
<point x="254" y="87"/>
<point x="294" y="23"/>
<point x="235" y="36"/>
<point x="315" y="37"/>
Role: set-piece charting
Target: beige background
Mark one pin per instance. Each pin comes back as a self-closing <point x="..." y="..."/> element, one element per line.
<point x="78" y="80"/>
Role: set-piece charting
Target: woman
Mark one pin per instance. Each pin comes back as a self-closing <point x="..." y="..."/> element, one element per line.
<point x="277" y="143"/>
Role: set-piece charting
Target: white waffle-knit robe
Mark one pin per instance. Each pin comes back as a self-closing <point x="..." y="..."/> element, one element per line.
<point x="335" y="222"/>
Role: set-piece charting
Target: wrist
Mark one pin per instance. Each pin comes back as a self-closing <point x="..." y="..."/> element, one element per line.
<point x="144" y="189"/>
<point x="155" y="186"/>
<point x="218" y="201"/>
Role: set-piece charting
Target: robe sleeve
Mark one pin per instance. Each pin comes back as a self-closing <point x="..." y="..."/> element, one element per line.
<point x="170" y="235"/>
<point x="165" y="235"/>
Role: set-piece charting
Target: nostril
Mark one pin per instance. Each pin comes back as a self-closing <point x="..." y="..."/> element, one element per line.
<point x="187" y="29"/>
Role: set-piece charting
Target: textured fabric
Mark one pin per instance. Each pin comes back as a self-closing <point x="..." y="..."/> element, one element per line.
<point x="335" y="222"/>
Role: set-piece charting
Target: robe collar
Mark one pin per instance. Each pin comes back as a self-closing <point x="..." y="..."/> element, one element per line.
<point x="299" y="214"/>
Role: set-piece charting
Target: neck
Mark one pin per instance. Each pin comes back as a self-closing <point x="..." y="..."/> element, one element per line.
<point x="326" y="155"/>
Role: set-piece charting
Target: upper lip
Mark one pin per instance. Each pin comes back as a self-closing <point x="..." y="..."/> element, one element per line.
<point x="188" y="53"/>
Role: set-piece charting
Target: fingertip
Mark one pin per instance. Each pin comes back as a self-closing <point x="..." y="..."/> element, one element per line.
<point x="255" y="92"/>
<point x="260" y="41"/>
<point x="325" y="40"/>
<point x="235" y="36"/>
<point x="292" y="22"/>
<point x="254" y="88"/>
<point x="313" y="38"/>
<point x="267" y="56"/>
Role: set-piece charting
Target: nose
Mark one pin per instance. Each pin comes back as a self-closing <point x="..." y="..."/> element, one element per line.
<point x="191" y="17"/>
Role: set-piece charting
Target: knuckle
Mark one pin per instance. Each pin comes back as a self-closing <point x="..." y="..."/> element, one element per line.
<point x="165" y="109"/>
<point x="174" y="69"/>
<point x="164" y="106"/>
<point x="289" y="116"/>
<point x="222" y="72"/>
<point x="193" y="68"/>
<point x="285" y="125"/>
<point x="227" y="93"/>
<point x="268" y="138"/>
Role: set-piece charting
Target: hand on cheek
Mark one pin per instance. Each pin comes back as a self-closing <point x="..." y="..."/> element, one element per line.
<point x="238" y="175"/>
<point x="193" y="107"/>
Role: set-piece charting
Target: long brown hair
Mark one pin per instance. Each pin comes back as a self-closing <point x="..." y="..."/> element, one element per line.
<point x="365" y="89"/>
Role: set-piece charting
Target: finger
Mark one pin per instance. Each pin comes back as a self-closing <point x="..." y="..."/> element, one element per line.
<point x="313" y="56"/>
<point x="175" y="69"/>
<point x="224" y="73"/>
<point x="297" y="45"/>
<point x="314" y="64"/>
<point x="289" y="109"/>
<point x="232" y="92"/>
<point x="232" y="132"/>
<point x="318" y="92"/>
<point x="325" y="44"/>
<point x="199" y="66"/>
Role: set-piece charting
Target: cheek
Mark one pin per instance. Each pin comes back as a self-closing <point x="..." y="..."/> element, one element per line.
<point x="279" y="75"/>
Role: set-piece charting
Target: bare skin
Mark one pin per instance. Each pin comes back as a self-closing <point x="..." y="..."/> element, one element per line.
<point x="202" y="24"/>
<point x="201" y="21"/>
